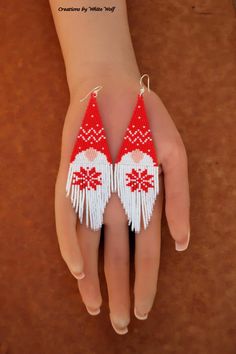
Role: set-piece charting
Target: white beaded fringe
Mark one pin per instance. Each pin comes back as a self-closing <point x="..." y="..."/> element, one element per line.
<point x="89" y="201"/>
<point x="138" y="205"/>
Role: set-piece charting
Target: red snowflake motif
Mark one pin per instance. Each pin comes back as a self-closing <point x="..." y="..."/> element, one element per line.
<point x="139" y="180"/>
<point x="87" y="178"/>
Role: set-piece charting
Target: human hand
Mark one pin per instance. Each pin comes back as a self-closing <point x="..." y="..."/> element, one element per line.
<point x="79" y="245"/>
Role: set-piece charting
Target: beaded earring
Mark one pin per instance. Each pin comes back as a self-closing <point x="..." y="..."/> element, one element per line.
<point x="136" y="177"/>
<point x="90" y="175"/>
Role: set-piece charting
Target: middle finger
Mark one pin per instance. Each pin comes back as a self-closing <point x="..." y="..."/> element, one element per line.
<point x="147" y="258"/>
<point x="116" y="265"/>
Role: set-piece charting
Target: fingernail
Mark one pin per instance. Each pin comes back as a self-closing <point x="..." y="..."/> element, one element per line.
<point x="118" y="329"/>
<point x="182" y="246"/>
<point x="93" y="312"/>
<point x="139" y="316"/>
<point x="79" y="276"/>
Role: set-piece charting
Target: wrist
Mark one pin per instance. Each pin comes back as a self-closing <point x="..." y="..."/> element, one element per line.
<point x="115" y="77"/>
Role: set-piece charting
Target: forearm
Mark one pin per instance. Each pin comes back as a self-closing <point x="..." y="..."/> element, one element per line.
<point x="94" y="44"/>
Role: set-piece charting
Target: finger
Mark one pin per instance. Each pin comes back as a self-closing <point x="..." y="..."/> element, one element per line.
<point x="177" y="193"/>
<point x="89" y="287"/>
<point x="147" y="259"/>
<point x="116" y="265"/>
<point x="66" y="228"/>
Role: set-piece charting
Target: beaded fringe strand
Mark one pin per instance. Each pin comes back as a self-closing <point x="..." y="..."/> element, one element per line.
<point x="89" y="201"/>
<point x="138" y="205"/>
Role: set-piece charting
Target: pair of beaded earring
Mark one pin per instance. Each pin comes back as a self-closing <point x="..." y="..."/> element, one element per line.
<point x="92" y="178"/>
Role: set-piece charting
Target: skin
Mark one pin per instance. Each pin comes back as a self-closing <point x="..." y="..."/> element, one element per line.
<point x="97" y="50"/>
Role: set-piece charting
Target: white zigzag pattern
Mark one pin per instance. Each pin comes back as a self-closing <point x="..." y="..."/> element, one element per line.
<point x="138" y="131"/>
<point x="91" y="137"/>
<point x="142" y="141"/>
<point x="87" y="132"/>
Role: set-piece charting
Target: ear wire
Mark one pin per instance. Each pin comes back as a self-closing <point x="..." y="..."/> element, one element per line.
<point x="141" y="83"/>
<point x="95" y="90"/>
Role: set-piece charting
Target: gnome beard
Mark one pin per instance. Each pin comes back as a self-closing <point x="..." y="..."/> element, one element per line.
<point x="89" y="184"/>
<point x="136" y="182"/>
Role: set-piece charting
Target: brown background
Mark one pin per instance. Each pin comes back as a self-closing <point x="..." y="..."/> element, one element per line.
<point x="189" y="50"/>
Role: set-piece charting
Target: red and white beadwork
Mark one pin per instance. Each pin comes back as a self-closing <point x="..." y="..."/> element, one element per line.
<point x="90" y="174"/>
<point x="136" y="170"/>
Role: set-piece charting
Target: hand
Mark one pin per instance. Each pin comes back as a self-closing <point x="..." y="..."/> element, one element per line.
<point x="79" y="245"/>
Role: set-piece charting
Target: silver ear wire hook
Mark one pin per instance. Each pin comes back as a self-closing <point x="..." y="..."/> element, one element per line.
<point x="141" y="83"/>
<point x="95" y="90"/>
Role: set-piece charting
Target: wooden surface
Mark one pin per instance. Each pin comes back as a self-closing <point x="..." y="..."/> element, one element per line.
<point x="188" y="48"/>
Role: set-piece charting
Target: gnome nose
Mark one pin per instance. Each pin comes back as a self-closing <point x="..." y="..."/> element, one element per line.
<point x="137" y="155"/>
<point x="91" y="154"/>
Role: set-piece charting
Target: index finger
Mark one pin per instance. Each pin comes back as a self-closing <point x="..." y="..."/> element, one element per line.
<point x="66" y="228"/>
